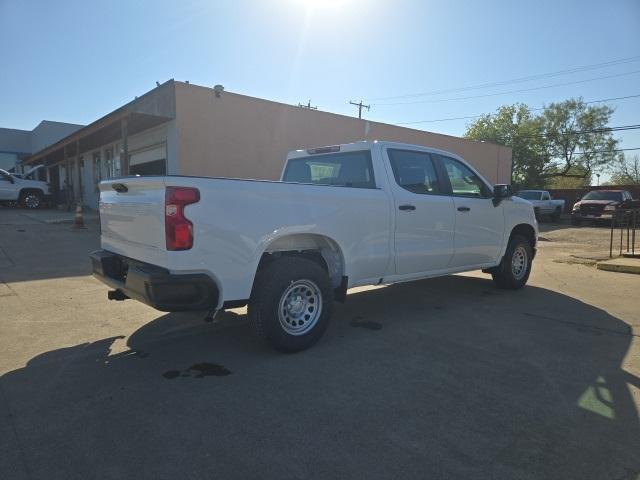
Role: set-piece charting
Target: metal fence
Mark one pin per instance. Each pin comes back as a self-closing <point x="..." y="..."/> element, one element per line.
<point x="627" y="221"/>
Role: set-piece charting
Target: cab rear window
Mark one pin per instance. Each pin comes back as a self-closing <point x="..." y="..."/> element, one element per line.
<point x="348" y="169"/>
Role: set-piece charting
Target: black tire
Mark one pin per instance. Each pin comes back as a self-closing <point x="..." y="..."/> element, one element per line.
<point x="536" y="212"/>
<point x="555" y="216"/>
<point x="575" y="221"/>
<point x="273" y="286"/>
<point x="506" y="275"/>
<point x="31" y="199"/>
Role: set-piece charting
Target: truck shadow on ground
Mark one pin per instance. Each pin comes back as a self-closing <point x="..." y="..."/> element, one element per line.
<point x="461" y="380"/>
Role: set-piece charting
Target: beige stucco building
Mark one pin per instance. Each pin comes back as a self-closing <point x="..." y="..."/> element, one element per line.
<point x="184" y="129"/>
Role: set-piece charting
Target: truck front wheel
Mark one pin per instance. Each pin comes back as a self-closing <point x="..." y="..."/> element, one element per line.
<point x="291" y="303"/>
<point x="515" y="267"/>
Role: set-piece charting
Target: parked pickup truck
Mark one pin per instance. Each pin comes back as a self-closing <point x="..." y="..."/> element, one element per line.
<point x="598" y="205"/>
<point x="543" y="204"/>
<point x="342" y="216"/>
<point x="23" y="190"/>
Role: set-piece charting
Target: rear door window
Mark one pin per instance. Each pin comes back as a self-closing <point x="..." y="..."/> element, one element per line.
<point x="414" y="171"/>
<point x="348" y="169"/>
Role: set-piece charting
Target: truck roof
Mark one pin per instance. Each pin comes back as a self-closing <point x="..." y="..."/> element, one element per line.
<point x="359" y="145"/>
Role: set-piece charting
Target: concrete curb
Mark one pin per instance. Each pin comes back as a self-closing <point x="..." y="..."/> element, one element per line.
<point x="623" y="265"/>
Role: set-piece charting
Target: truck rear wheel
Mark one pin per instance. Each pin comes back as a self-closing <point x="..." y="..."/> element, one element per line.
<point x="515" y="267"/>
<point x="31" y="199"/>
<point x="291" y="303"/>
<point x="556" y="215"/>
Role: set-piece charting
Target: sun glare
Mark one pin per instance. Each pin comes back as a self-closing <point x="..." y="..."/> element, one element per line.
<point x="321" y="4"/>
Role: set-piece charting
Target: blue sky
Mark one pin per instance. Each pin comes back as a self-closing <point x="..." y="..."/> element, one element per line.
<point x="75" y="61"/>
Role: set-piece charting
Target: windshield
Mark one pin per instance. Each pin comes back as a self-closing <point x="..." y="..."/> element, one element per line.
<point x="530" y="195"/>
<point x="603" y="195"/>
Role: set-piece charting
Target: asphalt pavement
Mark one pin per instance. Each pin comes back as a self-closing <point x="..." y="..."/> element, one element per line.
<point x="442" y="378"/>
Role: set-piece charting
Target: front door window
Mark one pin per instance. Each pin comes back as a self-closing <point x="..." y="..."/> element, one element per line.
<point x="464" y="182"/>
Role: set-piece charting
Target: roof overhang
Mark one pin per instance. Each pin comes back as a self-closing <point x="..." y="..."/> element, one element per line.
<point x="151" y="109"/>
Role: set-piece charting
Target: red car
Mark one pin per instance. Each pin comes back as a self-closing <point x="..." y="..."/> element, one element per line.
<point x="598" y="205"/>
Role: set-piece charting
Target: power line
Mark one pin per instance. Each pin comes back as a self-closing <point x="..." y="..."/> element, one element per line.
<point x="532" y="109"/>
<point x="444" y="119"/>
<point x="518" y="80"/>
<point x="580" y="132"/>
<point x="510" y="91"/>
<point x="360" y="107"/>
<point x="607" y="151"/>
<point x="574" y="132"/>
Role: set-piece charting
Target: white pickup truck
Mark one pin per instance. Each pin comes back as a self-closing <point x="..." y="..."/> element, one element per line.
<point x="23" y="190"/>
<point x="543" y="204"/>
<point x="342" y="216"/>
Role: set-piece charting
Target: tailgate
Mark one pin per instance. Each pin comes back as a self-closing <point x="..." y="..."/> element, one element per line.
<point x="132" y="216"/>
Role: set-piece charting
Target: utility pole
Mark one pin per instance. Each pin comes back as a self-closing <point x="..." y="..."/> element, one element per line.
<point x="308" y="106"/>
<point x="360" y="107"/>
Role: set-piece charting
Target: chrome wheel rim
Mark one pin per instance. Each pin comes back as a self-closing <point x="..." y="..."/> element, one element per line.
<point x="519" y="262"/>
<point x="31" y="200"/>
<point x="300" y="307"/>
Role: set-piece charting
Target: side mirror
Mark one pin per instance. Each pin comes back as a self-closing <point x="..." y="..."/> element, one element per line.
<point x="11" y="179"/>
<point x="502" y="191"/>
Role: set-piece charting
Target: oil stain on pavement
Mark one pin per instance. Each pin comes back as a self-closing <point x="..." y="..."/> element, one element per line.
<point x="198" y="370"/>
<point x="368" y="324"/>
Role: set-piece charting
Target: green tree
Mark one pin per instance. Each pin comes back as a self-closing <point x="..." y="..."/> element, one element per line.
<point x="577" y="139"/>
<point x="516" y="127"/>
<point x="567" y="140"/>
<point x="626" y="171"/>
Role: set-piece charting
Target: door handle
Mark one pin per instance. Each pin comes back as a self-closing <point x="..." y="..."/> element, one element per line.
<point x="407" y="207"/>
<point x="463" y="209"/>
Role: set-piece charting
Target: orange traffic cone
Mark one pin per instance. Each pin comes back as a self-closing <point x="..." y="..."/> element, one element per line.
<point x="78" y="219"/>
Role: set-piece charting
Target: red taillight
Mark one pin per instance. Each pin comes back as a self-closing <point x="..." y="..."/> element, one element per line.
<point x="178" y="230"/>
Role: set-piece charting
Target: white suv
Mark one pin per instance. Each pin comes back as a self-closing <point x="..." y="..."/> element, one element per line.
<point x="28" y="193"/>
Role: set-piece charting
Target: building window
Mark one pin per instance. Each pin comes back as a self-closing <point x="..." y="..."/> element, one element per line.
<point x="156" y="167"/>
<point x="150" y="160"/>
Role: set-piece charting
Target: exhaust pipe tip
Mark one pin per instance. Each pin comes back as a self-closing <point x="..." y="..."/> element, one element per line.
<point x="116" y="295"/>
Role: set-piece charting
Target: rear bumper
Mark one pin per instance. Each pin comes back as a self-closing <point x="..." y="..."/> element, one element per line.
<point x="153" y="285"/>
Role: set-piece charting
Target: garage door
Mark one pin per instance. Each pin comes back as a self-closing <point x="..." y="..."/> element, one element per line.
<point x="151" y="161"/>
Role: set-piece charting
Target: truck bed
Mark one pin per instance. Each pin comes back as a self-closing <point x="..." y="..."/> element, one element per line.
<point x="237" y="218"/>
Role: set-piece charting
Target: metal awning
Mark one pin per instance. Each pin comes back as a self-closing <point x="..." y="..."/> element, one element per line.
<point x="151" y="109"/>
